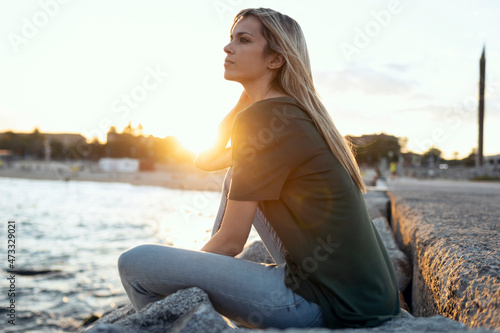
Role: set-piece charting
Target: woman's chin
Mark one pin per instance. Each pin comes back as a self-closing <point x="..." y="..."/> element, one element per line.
<point x="230" y="77"/>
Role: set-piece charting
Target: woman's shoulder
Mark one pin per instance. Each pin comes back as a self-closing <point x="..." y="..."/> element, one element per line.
<point x="270" y="108"/>
<point x="280" y="101"/>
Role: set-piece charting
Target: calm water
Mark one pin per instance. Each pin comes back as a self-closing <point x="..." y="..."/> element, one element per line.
<point x="77" y="230"/>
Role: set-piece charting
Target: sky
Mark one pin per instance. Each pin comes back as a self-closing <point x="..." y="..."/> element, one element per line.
<point x="404" y="68"/>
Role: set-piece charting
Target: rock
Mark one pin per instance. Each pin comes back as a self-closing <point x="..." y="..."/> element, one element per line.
<point x="187" y="310"/>
<point x="110" y="328"/>
<point x="256" y="252"/>
<point x="399" y="260"/>
<point x="109" y="317"/>
<point x="202" y="318"/>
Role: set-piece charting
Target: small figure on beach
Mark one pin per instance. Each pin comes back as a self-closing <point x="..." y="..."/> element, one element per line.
<point x="293" y="176"/>
<point x="393" y="167"/>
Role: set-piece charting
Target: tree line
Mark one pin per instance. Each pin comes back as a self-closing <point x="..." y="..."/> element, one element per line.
<point x="129" y="143"/>
<point x="133" y="143"/>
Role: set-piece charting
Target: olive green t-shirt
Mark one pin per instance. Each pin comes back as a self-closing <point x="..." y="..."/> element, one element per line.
<point x="334" y="254"/>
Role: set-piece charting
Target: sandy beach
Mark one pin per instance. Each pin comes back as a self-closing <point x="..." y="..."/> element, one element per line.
<point x="184" y="177"/>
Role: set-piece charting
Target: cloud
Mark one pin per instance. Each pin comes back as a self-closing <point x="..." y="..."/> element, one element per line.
<point x="365" y="80"/>
<point x="398" y="67"/>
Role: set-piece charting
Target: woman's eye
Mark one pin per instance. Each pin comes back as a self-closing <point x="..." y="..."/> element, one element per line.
<point x="243" y="40"/>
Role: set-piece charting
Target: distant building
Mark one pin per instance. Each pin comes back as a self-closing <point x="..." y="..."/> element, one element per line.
<point x="369" y="138"/>
<point x="112" y="136"/>
<point x="5" y="153"/>
<point x="67" y="139"/>
<point x="119" y="164"/>
<point x="5" y="157"/>
<point x="411" y="160"/>
<point x="492" y="161"/>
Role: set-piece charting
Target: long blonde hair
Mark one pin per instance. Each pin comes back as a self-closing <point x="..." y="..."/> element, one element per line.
<point x="284" y="36"/>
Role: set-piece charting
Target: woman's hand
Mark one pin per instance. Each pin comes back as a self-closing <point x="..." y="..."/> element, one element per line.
<point x="219" y="157"/>
<point x="213" y="160"/>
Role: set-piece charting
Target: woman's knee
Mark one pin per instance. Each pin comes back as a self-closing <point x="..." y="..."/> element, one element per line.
<point x="129" y="260"/>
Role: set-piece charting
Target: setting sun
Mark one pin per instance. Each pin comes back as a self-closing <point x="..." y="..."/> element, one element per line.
<point x="197" y="142"/>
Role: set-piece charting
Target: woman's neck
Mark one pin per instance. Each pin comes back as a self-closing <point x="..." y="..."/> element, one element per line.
<point x="258" y="92"/>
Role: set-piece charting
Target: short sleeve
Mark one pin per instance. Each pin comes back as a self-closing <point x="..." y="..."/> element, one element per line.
<point x="260" y="164"/>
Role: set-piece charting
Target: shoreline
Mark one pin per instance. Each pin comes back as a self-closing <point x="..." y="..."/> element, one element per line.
<point x="177" y="177"/>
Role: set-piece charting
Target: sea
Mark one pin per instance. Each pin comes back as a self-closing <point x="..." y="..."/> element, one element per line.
<point x="64" y="239"/>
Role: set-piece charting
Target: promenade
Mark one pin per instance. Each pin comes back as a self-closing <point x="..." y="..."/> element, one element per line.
<point x="450" y="230"/>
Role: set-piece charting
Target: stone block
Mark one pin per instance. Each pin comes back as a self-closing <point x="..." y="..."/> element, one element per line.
<point x="377" y="203"/>
<point x="399" y="260"/>
<point x="404" y="324"/>
<point x="450" y="232"/>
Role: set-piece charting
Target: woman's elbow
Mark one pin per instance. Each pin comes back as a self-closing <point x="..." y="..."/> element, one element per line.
<point x="235" y="249"/>
<point x="201" y="163"/>
<point x="197" y="163"/>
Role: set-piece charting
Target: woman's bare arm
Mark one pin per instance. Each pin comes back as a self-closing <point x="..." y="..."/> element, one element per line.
<point x="209" y="160"/>
<point x="233" y="233"/>
<point x="219" y="157"/>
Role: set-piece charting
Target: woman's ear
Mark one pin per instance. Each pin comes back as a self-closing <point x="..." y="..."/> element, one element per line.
<point x="276" y="61"/>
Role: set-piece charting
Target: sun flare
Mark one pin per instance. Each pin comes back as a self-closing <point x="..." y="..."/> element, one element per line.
<point x="196" y="142"/>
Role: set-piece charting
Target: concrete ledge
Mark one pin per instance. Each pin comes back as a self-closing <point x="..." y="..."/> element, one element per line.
<point x="451" y="233"/>
<point x="399" y="260"/>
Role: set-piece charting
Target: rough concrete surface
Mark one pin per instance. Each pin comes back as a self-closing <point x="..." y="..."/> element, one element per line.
<point x="451" y="232"/>
<point x="378" y="203"/>
<point x="399" y="260"/>
<point x="405" y="324"/>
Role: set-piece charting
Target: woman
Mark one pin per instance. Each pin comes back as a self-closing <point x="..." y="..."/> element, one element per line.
<point x="295" y="178"/>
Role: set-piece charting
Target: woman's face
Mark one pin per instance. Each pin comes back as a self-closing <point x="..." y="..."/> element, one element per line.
<point x="245" y="61"/>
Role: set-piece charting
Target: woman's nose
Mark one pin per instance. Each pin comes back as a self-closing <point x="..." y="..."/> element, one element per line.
<point x="227" y="48"/>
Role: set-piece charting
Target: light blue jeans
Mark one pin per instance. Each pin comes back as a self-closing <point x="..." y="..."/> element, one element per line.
<point x="250" y="293"/>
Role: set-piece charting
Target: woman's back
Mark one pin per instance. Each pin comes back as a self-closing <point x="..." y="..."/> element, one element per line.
<point x="334" y="254"/>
